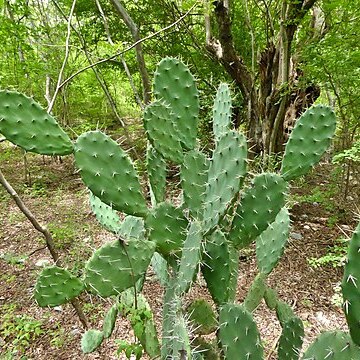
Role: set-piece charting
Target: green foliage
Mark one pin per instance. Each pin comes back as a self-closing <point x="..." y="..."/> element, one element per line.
<point x="18" y="331"/>
<point x="335" y="255"/>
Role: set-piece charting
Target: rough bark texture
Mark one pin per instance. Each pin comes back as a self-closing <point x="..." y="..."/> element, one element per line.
<point x="271" y="96"/>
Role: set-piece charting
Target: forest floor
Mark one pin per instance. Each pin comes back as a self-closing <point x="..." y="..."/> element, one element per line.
<point x="307" y="277"/>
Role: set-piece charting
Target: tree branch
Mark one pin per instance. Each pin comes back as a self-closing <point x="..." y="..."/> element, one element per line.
<point x="128" y="48"/>
<point x="48" y="238"/>
<point x="67" y="52"/>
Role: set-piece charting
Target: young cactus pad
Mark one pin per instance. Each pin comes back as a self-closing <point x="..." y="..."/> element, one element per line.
<point x="174" y="84"/>
<point x="308" y="141"/>
<point x="108" y="172"/>
<point x="117" y="266"/>
<point x="56" y="286"/>
<point x="25" y="123"/>
<point x="222" y="111"/>
<point x="106" y="216"/>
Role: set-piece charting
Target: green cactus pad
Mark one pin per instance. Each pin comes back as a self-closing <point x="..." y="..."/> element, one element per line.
<point x="238" y="333"/>
<point x="180" y="344"/>
<point x="159" y="123"/>
<point x="156" y="168"/>
<point x="160" y="267"/>
<point x="284" y="312"/>
<point x="258" y="208"/>
<point x="190" y="257"/>
<point x="25" y="123"/>
<point x="351" y="286"/>
<point x="193" y="181"/>
<point x="116" y="266"/>
<point x="255" y="293"/>
<point x="132" y="227"/>
<point x="106" y="216"/>
<point x="202" y="317"/>
<point x="91" y="340"/>
<point x="216" y="267"/>
<point x="332" y="345"/>
<point x="167" y="226"/>
<point x="174" y="83"/>
<point x="56" y="286"/>
<point x="291" y="340"/>
<point x="109" y="173"/>
<point x="222" y="111"/>
<point x="226" y="171"/>
<point x="270" y="245"/>
<point x="308" y="141"/>
<point x="271" y="298"/>
<point x="109" y="321"/>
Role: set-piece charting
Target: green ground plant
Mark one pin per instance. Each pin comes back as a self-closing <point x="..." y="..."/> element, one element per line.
<point x="18" y="331"/>
<point x="224" y="209"/>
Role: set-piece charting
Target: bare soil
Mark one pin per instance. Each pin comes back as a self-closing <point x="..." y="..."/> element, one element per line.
<point x="58" y="199"/>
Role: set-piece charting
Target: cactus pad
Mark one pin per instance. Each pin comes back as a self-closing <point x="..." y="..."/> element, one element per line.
<point x="159" y="123"/>
<point x="193" y="181"/>
<point x="308" y="141"/>
<point x="167" y="225"/>
<point x="202" y="317"/>
<point x="156" y="168"/>
<point x="222" y="111"/>
<point x="351" y="286"/>
<point x="332" y="345"/>
<point x="132" y="227"/>
<point x="25" y="123"/>
<point x="238" y="333"/>
<point x="226" y="171"/>
<point x="270" y="245"/>
<point x="106" y="216"/>
<point x="216" y="267"/>
<point x="190" y="257"/>
<point x="174" y="84"/>
<point x="255" y="293"/>
<point x="258" y="208"/>
<point x="109" y="321"/>
<point x="109" y="173"/>
<point x="291" y="340"/>
<point x="56" y="286"/>
<point x="91" y="340"/>
<point x="116" y="266"/>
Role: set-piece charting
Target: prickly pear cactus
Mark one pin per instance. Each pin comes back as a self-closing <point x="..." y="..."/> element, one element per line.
<point x="215" y="219"/>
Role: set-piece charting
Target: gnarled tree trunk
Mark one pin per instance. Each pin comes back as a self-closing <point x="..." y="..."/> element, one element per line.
<point x="272" y="96"/>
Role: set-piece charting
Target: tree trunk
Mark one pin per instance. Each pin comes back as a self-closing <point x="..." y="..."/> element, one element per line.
<point x="272" y="101"/>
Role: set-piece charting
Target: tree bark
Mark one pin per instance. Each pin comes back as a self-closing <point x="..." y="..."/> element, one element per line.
<point x="120" y="9"/>
<point x="268" y="100"/>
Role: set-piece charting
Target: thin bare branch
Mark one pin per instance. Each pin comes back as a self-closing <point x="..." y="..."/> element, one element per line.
<point x="50" y="244"/>
<point x="66" y="57"/>
<point x="150" y="36"/>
